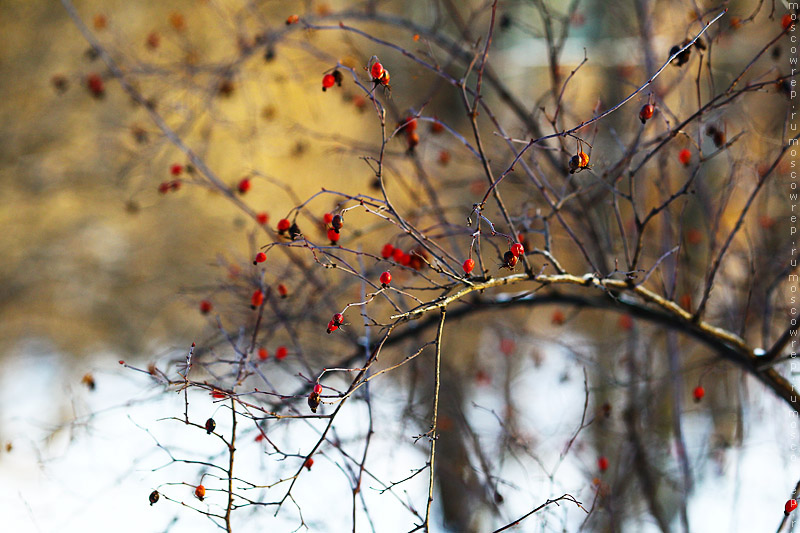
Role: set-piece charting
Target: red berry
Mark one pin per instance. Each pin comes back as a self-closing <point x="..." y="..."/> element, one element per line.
<point x="333" y="236"/>
<point x="121" y="362"/>
<point x="405" y="260"/>
<point x="309" y="463"/>
<point x="244" y="185"/>
<point x="263" y="354"/>
<point x="646" y="113"/>
<point x="317" y="388"/>
<point x="200" y="492"/>
<point x="790" y="506"/>
<point x="282" y="290"/>
<point x="257" y="299"/>
<point x="327" y="218"/>
<point x="176" y="169"/>
<point x="281" y="353"/>
<point x="386" y="251"/>
<point x="517" y="249"/>
<point x="259" y="437"/>
<point x="338" y="319"/>
<point x="328" y="81"/>
<point x="283" y="225"/>
<point x="397" y="255"/>
<point x="205" y="307"/>
<point x="95" y="85"/>
<point x="413" y="140"/>
<point x="437" y="127"/>
<point x="217" y="394"/>
<point x="260" y="258"/>
<point x="292" y="19"/>
<point x="331" y="327"/>
<point x="558" y="317"/>
<point x="408" y="125"/>
<point x="386" y="279"/>
<point x="698" y="393"/>
<point x="262" y="218"/>
<point x="164" y="187"/>
<point x="625" y="322"/>
<point x="376" y="71"/>
<point x="787" y="20"/>
<point x="602" y="463"/>
<point x="685" y="156"/>
<point x="468" y="265"/>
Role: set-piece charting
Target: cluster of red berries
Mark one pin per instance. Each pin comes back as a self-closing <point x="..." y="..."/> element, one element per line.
<point x="165" y="186"/>
<point x="288" y="229"/>
<point x="511" y="257"/>
<point x="333" y="224"/>
<point x="380" y="76"/>
<point x="331" y="79"/>
<point x="336" y="322"/>
<point x="415" y="259"/>
<point x="280" y="353"/>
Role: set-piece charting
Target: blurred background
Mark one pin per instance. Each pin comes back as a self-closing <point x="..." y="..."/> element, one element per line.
<point x="102" y="264"/>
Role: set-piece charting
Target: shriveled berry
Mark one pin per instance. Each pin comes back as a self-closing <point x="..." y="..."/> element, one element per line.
<point x="210" y="426"/>
<point x="509" y="260"/>
<point x="337" y="223"/>
<point x="154" y="497"/>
